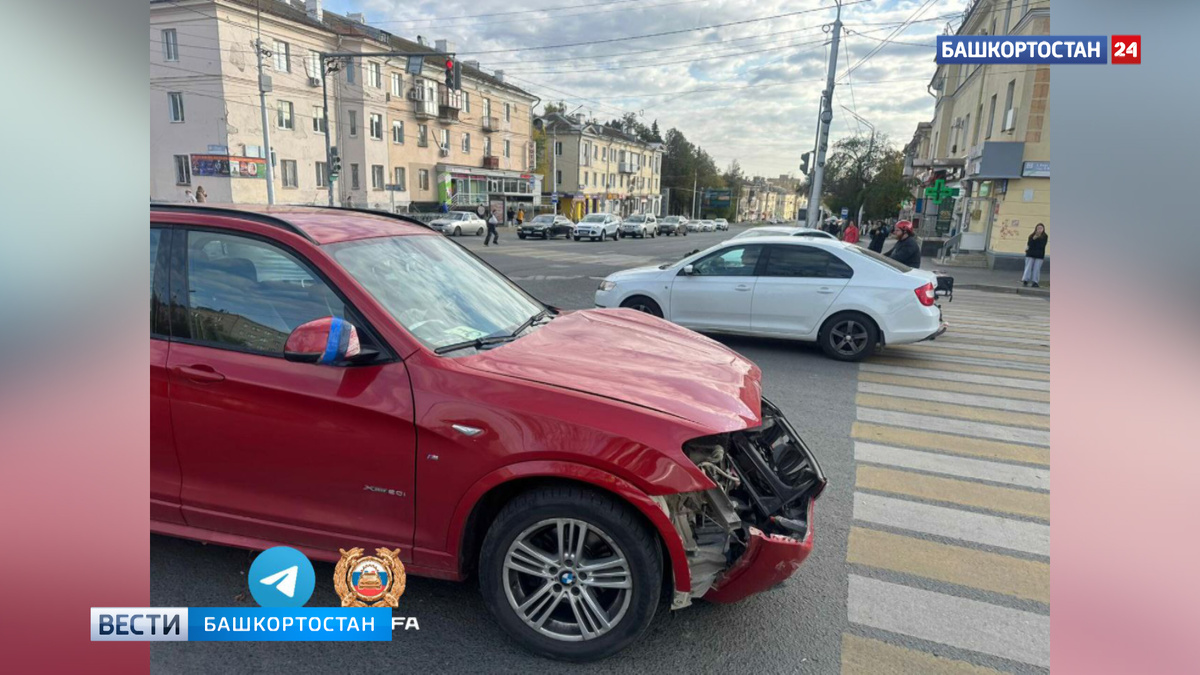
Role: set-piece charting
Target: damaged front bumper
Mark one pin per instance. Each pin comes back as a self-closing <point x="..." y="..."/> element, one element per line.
<point x="755" y="529"/>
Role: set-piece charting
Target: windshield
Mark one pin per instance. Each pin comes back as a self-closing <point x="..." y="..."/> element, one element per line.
<point x="760" y="232"/>
<point x="544" y="220"/>
<point x="635" y="219"/>
<point x="899" y="266"/>
<point x="435" y="289"/>
<point x="594" y="218"/>
<point x="671" y="219"/>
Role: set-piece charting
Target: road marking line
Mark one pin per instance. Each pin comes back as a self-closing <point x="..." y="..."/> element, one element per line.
<point x="959" y="622"/>
<point x="944" y="521"/>
<point x="864" y="656"/>
<point x="962" y="337"/>
<point x="990" y="349"/>
<point x="948" y="386"/>
<point x="1025" y="476"/>
<point x="936" y="488"/>
<point x="1003" y="320"/>
<point x="956" y="398"/>
<point x="1029" y="380"/>
<point x="1028" y="579"/>
<point x="931" y="359"/>
<point x="994" y="329"/>
<point x="959" y="445"/>
<point x="953" y="426"/>
<point x="916" y="351"/>
<point x="942" y="409"/>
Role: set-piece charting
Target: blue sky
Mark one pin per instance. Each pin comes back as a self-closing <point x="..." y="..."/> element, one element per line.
<point x="761" y="80"/>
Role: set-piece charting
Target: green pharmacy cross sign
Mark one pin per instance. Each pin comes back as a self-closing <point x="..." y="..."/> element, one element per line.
<point x="939" y="192"/>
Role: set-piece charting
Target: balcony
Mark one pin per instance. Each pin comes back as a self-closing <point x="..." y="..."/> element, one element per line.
<point x="627" y="167"/>
<point x="424" y="107"/>
<point x="490" y="124"/>
<point x="450" y="102"/>
<point x="491" y="162"/>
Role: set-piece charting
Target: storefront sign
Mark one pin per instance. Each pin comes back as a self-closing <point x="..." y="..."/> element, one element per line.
<point x="226" y="165"/>
<point x="1035" y="170"/>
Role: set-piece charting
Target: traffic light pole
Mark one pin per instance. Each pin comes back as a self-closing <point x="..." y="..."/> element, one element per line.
<point x="814" y="199"/>
<point x="262" y="104"/>
<point x="328" y="146"/>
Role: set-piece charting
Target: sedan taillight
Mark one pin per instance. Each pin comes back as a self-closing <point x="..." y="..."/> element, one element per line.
<point x="925" y="294"/>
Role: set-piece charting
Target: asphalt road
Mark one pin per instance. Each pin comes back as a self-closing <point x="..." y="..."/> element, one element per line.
<point x="799" y="627"/>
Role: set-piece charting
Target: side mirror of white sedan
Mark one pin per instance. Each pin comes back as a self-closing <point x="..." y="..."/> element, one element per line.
<point x="689" y="270"/>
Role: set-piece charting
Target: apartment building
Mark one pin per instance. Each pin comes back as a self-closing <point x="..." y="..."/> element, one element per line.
<point x="599" y="169"/>
<point x="990" y="138"/>
<point x="405" y="140"/>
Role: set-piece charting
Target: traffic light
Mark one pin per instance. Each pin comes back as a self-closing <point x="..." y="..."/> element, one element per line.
<point x="335" y="163"/>
<point x="458" y="75"/>
<point x="804" y="162"/>
<point x="449" y="73"/>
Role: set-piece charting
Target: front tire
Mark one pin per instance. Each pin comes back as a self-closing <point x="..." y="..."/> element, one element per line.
<point x="457" y="231"/>
<point x="849" y="336"/>
<point x="643" y="304"/>
<point x="584" y="599"/>
<point x="520" y="236"/>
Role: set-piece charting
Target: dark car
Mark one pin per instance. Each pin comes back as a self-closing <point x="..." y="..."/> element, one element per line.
<point x="673" y="225"/>
<point x="547" y="226"/>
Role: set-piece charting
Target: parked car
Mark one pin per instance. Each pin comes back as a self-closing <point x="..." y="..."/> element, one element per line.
<point x="640" y="225"/>
<point x="298" y="354"/>
<point x="778" y="230"/>
<point x="456" y="223"/>
<point x="547" y="226"/>
<point x="707" y="225"/>
<point x="722" y="224"/>
<point x="597" y="226"/>
<point x="845" y="298"/>
<point x="673" y="225"/>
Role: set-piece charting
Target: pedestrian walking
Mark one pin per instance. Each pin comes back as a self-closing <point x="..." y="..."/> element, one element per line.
<point x="520" y="215"/>
<point x="850" y="236"/>
<point x="1035" y="254"/>
<point x="512" y="216"/>
<point x="879" y="234"/>
<point x="907" y="250"/>
<point x="189" y="197"/>
<point x="201" y="195"/>
<point x="492" y="234"/>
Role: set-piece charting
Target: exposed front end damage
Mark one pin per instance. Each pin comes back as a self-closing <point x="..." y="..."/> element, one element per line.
<point x="752" y="531"/>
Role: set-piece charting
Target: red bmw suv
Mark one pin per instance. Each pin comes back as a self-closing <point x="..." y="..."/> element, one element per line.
<point x="330" y="378"/>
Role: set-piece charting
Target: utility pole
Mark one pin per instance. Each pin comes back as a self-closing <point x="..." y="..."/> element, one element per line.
<point x="263" y="84"/>
<point x="695" y="181"/>
<point x="814" y="199"/>
<point x="328" y="145"/>
<point x="554" y="168"/>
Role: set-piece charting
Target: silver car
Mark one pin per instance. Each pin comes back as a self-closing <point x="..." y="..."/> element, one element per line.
<point x="640" y="225"/>
<point x="597" y="226"/>
<point x="457" y="223"/>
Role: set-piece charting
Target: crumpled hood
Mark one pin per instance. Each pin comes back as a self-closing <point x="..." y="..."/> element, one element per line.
<point x="629" y="356"/>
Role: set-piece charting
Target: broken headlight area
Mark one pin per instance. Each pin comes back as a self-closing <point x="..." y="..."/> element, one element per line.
<point x="766" y="479"/>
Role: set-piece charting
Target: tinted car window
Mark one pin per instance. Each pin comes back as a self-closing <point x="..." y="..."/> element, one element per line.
<point x="159" y="320"/>
<point x="805" y="261"/>
<point x="738" y="261"/>
<point x="247" y="294"/>
<point x="898" y="266"/>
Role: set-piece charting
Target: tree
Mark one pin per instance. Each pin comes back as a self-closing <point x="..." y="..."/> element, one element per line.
<point x="559" y="107"/>
<point x="865" y="171"/>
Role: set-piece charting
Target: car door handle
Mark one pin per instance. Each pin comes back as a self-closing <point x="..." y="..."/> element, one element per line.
<point x="825" y="289"/>
<point x="742" y="287"/>
<point x="199" y="374"/>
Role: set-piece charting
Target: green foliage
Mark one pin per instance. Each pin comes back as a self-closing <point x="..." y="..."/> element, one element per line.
<point x="684" y="165"/>
<point x="559" y="107"/>
<point x="868" y="172"/>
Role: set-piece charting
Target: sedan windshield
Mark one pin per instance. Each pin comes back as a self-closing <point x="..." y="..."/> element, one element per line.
<point x="635" y="219"/>
<point x="435" y="289"/>
<point x="594" y="218"/>
<point x="543" y="220"/>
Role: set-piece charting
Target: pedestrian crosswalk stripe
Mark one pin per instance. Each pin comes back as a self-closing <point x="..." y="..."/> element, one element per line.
<point x="964" y="337"/>
<point x="941" y="409"/>
<point x="959" y="445"/>
<point x="1003" y="329"/>
<point x="954" y="491"/>
<point x="1003" y="320"/>
<point x="948" y="386"/>
<point x="988" y="349"/>
<point x="953" y="426"/>
<point x="1037" y="478"/>
<point x="929" y="359"/>
<point x="1027" y="380"/>
<point x="977" y="400"/>
<point x="864" y="656"/>
<point x="933" y="347"/>
<point x="959" y="622"/>
<point x="986" y="571"/>
<point x="951" y="523"/>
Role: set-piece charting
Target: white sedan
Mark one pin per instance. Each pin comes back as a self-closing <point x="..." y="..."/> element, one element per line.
<point x="844" y="297"/>
<point x="597" y="226"/>
<point x="781" y="230"/>
<point x="459" y="222"/>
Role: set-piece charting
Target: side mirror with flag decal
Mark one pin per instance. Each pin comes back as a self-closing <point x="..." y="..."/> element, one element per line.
<point x="325" y="341"/>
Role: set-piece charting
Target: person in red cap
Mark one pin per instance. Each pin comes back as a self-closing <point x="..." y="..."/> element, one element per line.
<point x="906" y="251"/>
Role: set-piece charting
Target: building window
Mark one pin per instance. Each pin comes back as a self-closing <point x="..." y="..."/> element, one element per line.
<point x="966" y="128"/>
<point x="398" y="178"/>
<point x="595" y="152"/>
<point x="558" y="177"/>
<point x="1010" y="120"/>
<point x="487" y="146"/>
<point x="991" y="118"/>
<point x="487" y="107"/>
<point x="445" y="139"/>
<point x="285" y="117"/>
<point x="507" y="112"/>
<point x="466" y="144"/>
<point x="423" y="135"/>
<point x="423" y="179"/>
<point x="558" y="148"/>
<point x="288" y="173"/>
<point x="175" y="102"/>
<point x="353" y="176"/>
<point x="352" y="116"/>
<point x="398" y="132"/>
<point x="585" y="178"/>
<point x="283" y="57"/>
<point x="313" y="64"/>
<point x="376" y="122"/>
<point x="466" y="101"/>
<point x="375" y="75"/>
<point x="397" y="84"/>
<point x="183" y="170"/>
<point x="507" y="148"/>
<point x="322" y="174"/>
<point x="376" y="176"/>
<point x="319" y="123"/>
<point x="350" y="67"/>
<point x="978" y="123"/>
<point x="170" y="42"/>
<point x="604" y="155"/>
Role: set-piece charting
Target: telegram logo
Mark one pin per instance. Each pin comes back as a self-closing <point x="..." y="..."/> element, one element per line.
<point x="281" y="577"/>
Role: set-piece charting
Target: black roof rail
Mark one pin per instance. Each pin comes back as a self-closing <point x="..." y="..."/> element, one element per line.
<point x="355" y="209"/>
<point x="264" y="218"/>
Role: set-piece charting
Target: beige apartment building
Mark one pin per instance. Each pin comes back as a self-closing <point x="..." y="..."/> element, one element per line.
<point x="405" y="141"/>
<point x="990" y="138"/>
<point x="599" y="169"/>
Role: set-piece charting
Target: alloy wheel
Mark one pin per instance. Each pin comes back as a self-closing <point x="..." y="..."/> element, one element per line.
<point x="848" y="337"/>
<point x="567" y="579"/>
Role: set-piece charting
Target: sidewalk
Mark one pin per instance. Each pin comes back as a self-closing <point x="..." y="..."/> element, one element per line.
<point x="983" y="279"/>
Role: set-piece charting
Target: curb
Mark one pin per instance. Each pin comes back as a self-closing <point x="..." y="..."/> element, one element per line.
<point x="1034" y="292"/>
